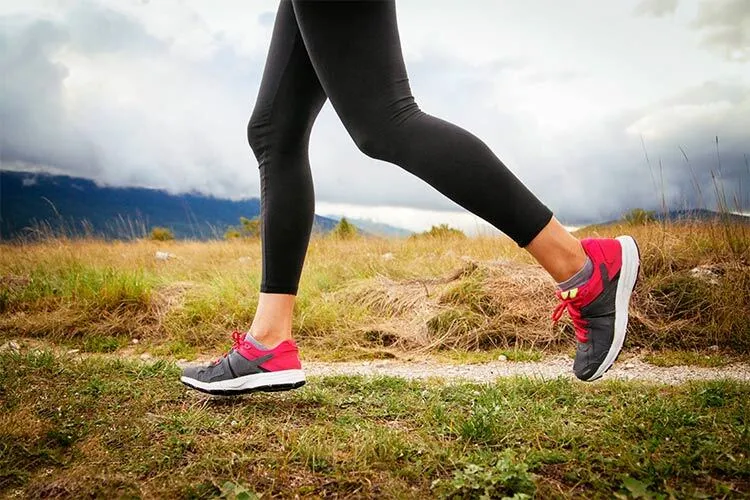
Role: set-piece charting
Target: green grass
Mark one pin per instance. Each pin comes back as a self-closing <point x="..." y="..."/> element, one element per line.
<point x="707" y="359"/>
<point x="102" y="427"/>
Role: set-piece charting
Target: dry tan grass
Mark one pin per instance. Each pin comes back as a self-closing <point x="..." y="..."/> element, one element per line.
<point x="417" y="294"/>
<point x="481" y="305"/>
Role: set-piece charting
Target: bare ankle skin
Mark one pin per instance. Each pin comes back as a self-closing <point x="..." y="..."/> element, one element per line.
<point x="558" y="251"/>
<point x="273" y="319"/>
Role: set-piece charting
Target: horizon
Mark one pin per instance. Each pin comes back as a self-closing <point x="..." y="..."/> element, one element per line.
<point x="363" y="219"/>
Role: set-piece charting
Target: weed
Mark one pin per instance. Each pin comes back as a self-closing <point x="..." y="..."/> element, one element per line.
<point x="507" y="478"/>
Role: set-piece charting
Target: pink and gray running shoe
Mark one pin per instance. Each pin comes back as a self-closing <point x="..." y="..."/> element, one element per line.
<point x="246" y="368"/>
<point x="599" y="309"/>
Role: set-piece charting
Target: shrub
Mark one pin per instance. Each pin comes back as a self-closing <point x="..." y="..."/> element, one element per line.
<point x="250" y="228"/>
<point x="442" y="231"/>
<point x="161" y="234"/>
<point x="639" y="216"/>
<point x="344" y="230"/>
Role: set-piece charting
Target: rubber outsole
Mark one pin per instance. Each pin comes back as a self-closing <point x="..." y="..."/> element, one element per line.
<point x="237" y="392"/>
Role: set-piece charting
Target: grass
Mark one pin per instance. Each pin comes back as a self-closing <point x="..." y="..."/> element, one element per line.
<point x="102" y="427"/>
<point x="451" y="297"/>
<point x="708" y="359"/>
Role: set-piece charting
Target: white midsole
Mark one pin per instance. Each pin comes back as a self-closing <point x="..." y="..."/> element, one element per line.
<point x="283" y="377"/>
<point x="628" y="275"/>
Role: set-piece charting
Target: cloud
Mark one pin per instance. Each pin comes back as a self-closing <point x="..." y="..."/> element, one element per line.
<point x="725" y="27"/>
<point x="35" y="126"/>
<point x="266" y="18"/>
<point x="159" y="94"/>
<point x="94" y="94"/>
<point x="680" y="164"/>
<point x="656" y="8"/>
<point x="93" y="29"/>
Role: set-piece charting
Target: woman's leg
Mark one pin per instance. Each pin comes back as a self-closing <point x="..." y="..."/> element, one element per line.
<point x="356" y="52"/>
<point x="289" y="100"/>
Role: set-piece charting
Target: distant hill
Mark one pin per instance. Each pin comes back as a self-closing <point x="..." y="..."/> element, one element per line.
<point x="377" y="228"/>
<point x="699" y="214"/>
<point x="29" y="198"/>
<point x="687" y="215"/>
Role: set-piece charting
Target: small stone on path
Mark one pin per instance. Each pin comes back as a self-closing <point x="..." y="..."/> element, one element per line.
<point x="10" y="346"/>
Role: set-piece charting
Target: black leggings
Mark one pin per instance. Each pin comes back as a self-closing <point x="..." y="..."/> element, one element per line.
<point x="350" y="52"/>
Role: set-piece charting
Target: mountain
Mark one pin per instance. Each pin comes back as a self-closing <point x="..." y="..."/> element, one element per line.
<point x="700" y="214"/>
<point x="79" y="206"/>
<point x="377" y="228"/>
<point x="685" y="215"/>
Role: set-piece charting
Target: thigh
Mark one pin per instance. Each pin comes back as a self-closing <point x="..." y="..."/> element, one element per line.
<point x="290" y="90"/>
<point x="356" y="52"/>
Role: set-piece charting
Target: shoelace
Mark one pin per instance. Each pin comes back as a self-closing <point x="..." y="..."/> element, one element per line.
<point x="237" y="337"/>
<point x="579" y="324"/>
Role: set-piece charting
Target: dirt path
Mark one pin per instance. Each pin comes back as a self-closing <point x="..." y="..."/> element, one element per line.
<point x="552" y="367"/>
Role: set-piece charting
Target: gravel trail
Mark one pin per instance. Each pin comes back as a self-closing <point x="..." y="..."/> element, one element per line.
<point x="553" y="367"/>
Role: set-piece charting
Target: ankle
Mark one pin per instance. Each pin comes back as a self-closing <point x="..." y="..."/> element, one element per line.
<point x="270" y="338"/>
<point x="579" y="277"/>
<point x="559" y="252"/>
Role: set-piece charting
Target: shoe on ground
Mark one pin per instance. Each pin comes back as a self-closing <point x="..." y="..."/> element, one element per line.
<point x="245" y="368"/>
<point x="599" y="309"/>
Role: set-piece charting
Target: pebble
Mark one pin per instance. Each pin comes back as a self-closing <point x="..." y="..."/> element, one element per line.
<point x="502" y="357"/>
<point x="135" y="341"/>
<point x="706" y="274"/>
<point x="164" y="255"/>
<point x="10" y="346"/>
<point x="145" y="356"/>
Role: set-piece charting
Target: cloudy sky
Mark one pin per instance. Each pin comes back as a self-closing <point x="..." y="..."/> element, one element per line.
<point x="573" y="96"/>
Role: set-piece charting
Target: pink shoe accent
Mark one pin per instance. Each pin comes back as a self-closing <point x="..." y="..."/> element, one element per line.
<point x="285" y="356"/>
<point x="607" y="252"/>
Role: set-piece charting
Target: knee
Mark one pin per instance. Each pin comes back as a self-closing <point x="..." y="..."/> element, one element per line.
<point x="374" y="139"/>
<point x="257" y="134"/>
<point x="383" y="133"/>
<point x="372" y="145"/>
